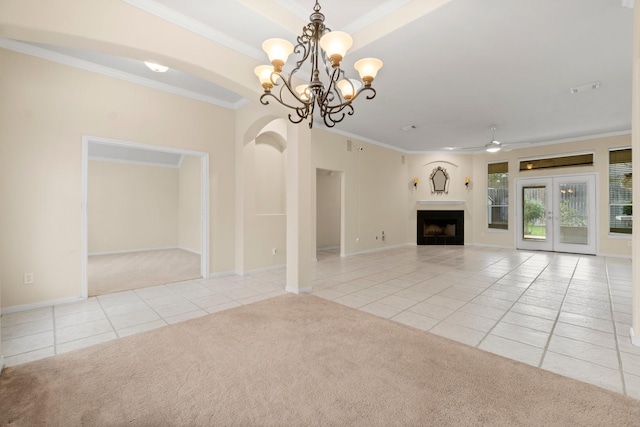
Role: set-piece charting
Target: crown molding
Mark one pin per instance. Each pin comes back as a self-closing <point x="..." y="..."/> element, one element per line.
<point x="60" y="58"/>
<point x="197" y="27"/>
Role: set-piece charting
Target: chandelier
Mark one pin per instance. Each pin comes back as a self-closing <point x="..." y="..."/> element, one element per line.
<point x="328" y="88"/>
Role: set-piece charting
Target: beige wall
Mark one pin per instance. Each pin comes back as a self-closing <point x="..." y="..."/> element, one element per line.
<point x="45" y="110"/>
<point x="189" y="205"/>
<point x="269" y="167"/>
<point x="131" y="207"/>
<point x="607" y="244"/>
<point x="375" y="190"/>
<point x="327" y="209"/>
<point x="265" y="227"/>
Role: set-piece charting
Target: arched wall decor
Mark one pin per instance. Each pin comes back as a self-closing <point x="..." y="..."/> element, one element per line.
<point x="439" y="180"/>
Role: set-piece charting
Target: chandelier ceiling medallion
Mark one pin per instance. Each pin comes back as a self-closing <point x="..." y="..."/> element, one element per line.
<point x="328" y="88"/>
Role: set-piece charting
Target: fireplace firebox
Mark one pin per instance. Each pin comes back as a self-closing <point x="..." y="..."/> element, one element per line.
<point x="440" y="228"/>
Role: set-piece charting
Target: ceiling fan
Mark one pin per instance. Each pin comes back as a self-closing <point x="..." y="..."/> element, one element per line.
<point x="492" y="146"/>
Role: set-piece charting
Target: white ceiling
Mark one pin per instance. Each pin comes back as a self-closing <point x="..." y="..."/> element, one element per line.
<point x="452" y="72"/>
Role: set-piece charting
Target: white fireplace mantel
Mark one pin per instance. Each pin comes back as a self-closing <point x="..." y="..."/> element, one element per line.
<point x="440" y="202"/>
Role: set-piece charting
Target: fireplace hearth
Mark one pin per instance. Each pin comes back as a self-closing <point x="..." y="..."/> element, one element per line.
<point x="440" y="228"/>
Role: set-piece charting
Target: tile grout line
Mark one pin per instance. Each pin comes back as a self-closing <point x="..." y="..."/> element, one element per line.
<point x="555" y="322"/>
<point x="514" y="302"/>
<point x="108" y="318"/>
<point x="615" y="331"/>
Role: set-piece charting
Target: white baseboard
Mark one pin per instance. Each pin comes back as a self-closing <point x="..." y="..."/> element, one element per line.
<point x="298" y="291"/>
<point x="189" y="250"/>
<point x="1" y="364"/>
<point x="634" y="339"/>
<point x="260" y="270"/>
<point x="41" y="304"/>
<point x="328" y="248"/>
<point x="490" y="246"/>
<point x="614" y="255"/>
<point x="384" y="248"/>
<point x="130" y="251"/>
<point x="221" y="274"/>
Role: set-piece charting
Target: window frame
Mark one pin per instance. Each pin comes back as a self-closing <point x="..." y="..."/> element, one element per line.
<point x="498" y="227"/>
<point x="612" y="231"/>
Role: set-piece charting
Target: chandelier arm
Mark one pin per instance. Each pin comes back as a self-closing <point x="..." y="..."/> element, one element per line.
<point x="302" y="111"/>
<point x="331" y="118"/>
<point x="363" y="89"/>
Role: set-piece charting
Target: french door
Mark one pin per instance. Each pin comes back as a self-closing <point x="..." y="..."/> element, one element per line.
<point x="557" y="214"/>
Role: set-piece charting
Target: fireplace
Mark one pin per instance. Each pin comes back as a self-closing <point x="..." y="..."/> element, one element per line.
<point x="440" y="228"/>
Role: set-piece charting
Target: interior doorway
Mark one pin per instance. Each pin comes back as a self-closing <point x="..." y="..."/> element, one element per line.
<point x="557" y="214"/>
<point x="329" y="213"/>
<point x="145" y="215"/>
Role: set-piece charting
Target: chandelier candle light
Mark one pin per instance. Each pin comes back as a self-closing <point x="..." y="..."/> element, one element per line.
<point x="324" y="49"/>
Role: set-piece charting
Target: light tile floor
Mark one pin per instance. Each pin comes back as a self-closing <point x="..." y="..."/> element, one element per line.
<point x="565" y="313"/>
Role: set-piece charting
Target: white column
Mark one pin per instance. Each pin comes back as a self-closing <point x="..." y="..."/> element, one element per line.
<point x="298" y="208"/>
<point x="635" y="146"/>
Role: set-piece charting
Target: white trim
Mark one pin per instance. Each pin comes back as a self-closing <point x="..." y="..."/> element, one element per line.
<point x="440" y="202"/>
<point x="196" y="27"/>
<point x="41" y="304"/>
<point x="122" y="143"/>
<point x="1" y="364"/>
<point x="490" y="246"/>
<point x="497" y="230"/>
<point x="328" y="248"/>
<point x="614" y="255"/>
<point x="190" y="251"/>
<point x="259" y="270"/>
<point x="71" y="61"/>
<point x="204" y="215"/>
<point x="634" y="339"/>
<point x="369" y="251"/>
<point x="551" y="247"/>
<point x="135" y="162"/>
<point x="298" y="291"/>
<point x="204" y="201"/>
<point x="221" y="274"/>
<point x="84" y="219"/>
<point x="131" y="251"/>
<point x="621" y="236"/>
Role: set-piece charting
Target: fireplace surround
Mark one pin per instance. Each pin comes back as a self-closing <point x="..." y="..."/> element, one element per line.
<point x="440" y="228"/>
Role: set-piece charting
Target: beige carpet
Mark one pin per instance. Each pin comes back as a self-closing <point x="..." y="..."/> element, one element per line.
<point x="297" y="361"/>
<point x="134" y="270"/>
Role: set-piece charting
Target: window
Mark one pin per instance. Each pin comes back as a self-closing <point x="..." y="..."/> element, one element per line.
<point x="498" y="195"/>
<point x="620" y="191"/>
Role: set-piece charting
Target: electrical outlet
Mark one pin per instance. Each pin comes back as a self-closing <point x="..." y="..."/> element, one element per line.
<point x="28" y="278"/>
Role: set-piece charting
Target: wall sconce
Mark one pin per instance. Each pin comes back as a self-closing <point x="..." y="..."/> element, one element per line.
<point x="415" y="182"/>
<point x="467" y="180"/>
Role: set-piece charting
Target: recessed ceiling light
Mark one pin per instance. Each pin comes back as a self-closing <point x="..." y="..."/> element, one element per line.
<point x="585" y="87"/>
<point x="156" y="67"/>
<point x="408" y="128"/>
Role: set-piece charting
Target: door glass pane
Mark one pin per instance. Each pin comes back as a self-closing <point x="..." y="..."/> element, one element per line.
<point x="573" y="213"/>
<point x="535" y="219"/>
